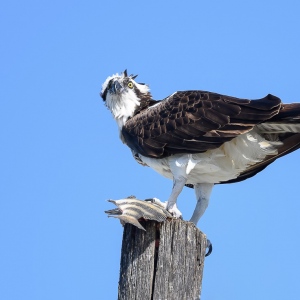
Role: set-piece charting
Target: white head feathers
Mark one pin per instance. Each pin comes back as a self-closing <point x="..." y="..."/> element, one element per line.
<point x="121" y="96"/>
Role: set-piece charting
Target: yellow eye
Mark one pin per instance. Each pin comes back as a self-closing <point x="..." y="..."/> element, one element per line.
<point x="130" y="84"/>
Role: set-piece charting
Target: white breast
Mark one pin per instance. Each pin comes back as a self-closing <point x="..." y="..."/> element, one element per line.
<point x="217" y="165"/>
<point x="122" y="106"/>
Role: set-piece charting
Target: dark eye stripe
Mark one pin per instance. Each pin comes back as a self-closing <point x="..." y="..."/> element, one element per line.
<point x="104" y="94"/>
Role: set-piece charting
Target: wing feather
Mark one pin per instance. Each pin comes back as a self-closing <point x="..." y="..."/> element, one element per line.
<point x="194" y="121"/>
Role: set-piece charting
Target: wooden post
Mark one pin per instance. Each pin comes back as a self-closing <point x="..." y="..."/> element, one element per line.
<point x="164" y="263"/>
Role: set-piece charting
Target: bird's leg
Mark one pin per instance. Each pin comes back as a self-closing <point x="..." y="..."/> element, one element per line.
<point x="203" y="191"/>
<point x="178" y="184"/>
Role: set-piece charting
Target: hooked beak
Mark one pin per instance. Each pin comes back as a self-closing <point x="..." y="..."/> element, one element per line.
<point x="116" y="87"/>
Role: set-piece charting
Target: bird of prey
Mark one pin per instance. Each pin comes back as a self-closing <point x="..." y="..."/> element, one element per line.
<point x="199" y="138"/>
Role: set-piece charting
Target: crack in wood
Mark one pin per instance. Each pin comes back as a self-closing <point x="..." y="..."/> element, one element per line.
<point x="165" y="262"/>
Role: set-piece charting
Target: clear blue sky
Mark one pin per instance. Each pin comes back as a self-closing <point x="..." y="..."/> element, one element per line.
<point x="61" y="157"/>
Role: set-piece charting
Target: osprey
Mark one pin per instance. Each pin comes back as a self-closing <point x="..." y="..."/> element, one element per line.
<point x="199" y="138"/>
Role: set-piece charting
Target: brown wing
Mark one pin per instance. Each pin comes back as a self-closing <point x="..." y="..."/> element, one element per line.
<point x="289" y="114"/>
<point x="194" y="122"/>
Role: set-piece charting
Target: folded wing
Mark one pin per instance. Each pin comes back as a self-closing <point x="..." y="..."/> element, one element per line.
<point x="283" y="127"/>
<point x="194" y="122"/>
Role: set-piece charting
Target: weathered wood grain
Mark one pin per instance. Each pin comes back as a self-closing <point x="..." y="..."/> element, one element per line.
<point x="164" y="263"/>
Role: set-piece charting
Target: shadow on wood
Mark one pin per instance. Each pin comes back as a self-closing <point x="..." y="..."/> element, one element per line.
<point x="165" y="262"/>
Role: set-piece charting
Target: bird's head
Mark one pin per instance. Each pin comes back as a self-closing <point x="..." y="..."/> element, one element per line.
<point x="123" y="96"/>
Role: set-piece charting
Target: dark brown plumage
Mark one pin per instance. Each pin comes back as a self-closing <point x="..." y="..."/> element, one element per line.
<point x="199" y="138"/>
<point x="197" y="121"/>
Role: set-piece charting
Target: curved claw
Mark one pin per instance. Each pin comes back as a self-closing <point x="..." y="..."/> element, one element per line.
<point x="157" y="202"/>
<point x="209" y="247"/>
<point x="174" y="211"/>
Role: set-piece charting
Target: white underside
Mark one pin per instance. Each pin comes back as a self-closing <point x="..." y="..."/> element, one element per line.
<point x="217" y="165"/>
